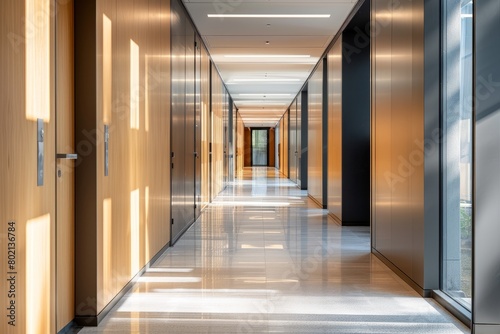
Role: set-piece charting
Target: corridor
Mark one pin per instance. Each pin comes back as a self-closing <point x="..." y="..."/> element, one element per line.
<point x="263" y="258"/>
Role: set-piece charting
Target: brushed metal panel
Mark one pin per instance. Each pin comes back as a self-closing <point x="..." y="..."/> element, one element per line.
<point x="335" y="130"/>
<point x="198" y="126"/>
<point x="206" y="126"/>
<point x="315" y="136"/>
<point x="178" y="120"/>
<point x="486" y="248"/>
<point x="189" y="135"/>
<point x="401" y="128"/>
<point x="397" y="129"/>
<point x="415" y="156"/>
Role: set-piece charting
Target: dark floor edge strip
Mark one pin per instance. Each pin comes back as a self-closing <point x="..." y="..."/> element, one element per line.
<point x="426" y="293"/>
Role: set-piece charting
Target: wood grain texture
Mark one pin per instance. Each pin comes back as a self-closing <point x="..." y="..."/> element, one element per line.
<point x="286" y="144"/>
<point x="248" y="148"/>
<point x="240" y="144"/>
<point x="272" y="148"/>
<point x="138" y="185"/>
<point x="65" y="228"/>
<point x="21" y="201"/>
<point x="132" y="204"/>
<point x="217" y="133"/>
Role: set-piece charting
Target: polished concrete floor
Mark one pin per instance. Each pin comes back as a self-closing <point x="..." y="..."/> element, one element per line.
<point x="264" y="259"/>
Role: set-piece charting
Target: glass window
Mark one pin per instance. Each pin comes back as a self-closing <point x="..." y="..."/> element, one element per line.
<point x="457" y="150"/>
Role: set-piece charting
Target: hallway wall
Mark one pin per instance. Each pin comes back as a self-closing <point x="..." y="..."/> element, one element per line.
<point x="240" y="144"/>
<point x="186" y="83"/>
<point x="486" y="248"/>
<point x="219" y="117"/>
<point x="316" y="146"/>
<point x="27" y="211"/>
<point x="293" y="142"/>
<point x="405" y="140"/>
<point x="284" y="133"/>
<point x="349" y="123"/>
<point x="121" y="218"/>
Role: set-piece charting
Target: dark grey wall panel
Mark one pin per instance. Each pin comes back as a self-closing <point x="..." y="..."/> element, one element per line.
<point x="356" y="121"/>
<point x="404" y="223"/>
<point x="299" y="140"/>
<point x="486" y="248"/>
<point x="304" y="138"/>
<point x="324" y="134"/>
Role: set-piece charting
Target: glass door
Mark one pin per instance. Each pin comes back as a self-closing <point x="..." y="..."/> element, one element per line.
<point x="259" y="147"/>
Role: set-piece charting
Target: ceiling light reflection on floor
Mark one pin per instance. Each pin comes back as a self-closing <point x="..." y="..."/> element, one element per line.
<point x="156" y="279"/>
<point x="170" y="270"/>
<point x="246" y="246"/>
<point x="261" y="218"/>
<point x="243" y="203"/>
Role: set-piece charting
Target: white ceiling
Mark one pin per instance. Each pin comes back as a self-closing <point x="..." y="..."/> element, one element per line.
<point x="262" y="88"/>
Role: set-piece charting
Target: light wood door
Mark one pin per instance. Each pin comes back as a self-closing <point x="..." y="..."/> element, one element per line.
<point x="65" y="196"/>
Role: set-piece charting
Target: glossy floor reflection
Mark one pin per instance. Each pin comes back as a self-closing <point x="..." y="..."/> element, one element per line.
<point x="264" y="259"/>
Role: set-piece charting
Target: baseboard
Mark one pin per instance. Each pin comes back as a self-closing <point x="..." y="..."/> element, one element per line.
<point x="316" y="202"/>
<point x="187" y="227"/>
<point x="355" y="223"/>
<point x="426" y="293"/>
<point x="94" y="320"/>
<point x="335" y="218"/>
<point x="485" y="329"/>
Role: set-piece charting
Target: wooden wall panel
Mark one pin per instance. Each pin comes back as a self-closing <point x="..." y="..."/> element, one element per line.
<point x="218" y="101"/>
<point x="132" y="203"/>
<point x="272" y="148"/>
<point x="286" y="144"/>
<point x="65" y="235"/>
<point x="280" y="145"/>
<point x="248" y="147"/>
<point x="240" y="144"/>
<point x="32" y="208"/>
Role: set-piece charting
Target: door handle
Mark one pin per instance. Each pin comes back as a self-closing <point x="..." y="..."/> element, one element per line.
<point x="67" y="156"/>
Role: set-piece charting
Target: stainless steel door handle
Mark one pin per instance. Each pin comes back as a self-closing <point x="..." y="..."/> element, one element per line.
<point x="67" y="156"/>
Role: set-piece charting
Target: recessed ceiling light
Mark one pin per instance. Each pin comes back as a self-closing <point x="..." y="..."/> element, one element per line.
<point x="266" y="80"/>
<point x="274" y="16"/>
<point x="265" y="95"/>
<point x="267" y="56"/>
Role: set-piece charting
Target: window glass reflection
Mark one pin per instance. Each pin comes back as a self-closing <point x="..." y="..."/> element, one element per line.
<point x="457" y="150"/>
